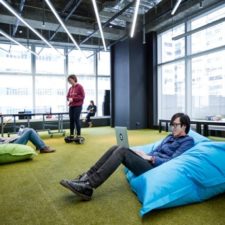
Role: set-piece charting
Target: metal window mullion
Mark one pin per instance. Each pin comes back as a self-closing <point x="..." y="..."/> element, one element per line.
<point x="33" y="72"/>
<point x="159" y="75"/>
<point x="188" y="72"/>
<point x="96" y="78"/>
<point x="159" y="78"/>
<point x="66" y="71"/>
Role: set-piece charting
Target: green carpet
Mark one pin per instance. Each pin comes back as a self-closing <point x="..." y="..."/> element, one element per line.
<point x="31" y="194"/>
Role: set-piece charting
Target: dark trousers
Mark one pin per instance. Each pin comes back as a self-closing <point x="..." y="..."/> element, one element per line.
<point x="74" y="114"/>
<point x="88" y="119"/>
<point x="111" y="160"/>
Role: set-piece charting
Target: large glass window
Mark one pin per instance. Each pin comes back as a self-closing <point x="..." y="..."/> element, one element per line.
<point x="50" y="94"/>
<point x="208" y="17"/>
<point x="39" y="84"/>
<point x="14" y="58"/>
<point x="194" y="83"/>
<point x="103" y="85"/>
<point x="81" y="62"/>
<point x="209" y="38"/>
<point x="172" y="89"/>
<point x="103" y="82"/>
<point x="103" y="63"/>
<point x="208" y="85"/>
<point x="89" y="84"/>
<point x="170" y="49"/>
<point x="49" y="61"/>
<point x="15" y="94"/>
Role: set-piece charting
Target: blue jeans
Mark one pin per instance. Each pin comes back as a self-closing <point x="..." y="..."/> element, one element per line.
<point x="30" y="134"/>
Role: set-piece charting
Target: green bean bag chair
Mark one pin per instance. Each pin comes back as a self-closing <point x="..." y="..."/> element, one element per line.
<point x="15" y="152"/>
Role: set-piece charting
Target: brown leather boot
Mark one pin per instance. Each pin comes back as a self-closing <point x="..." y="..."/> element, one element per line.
<point x="47" y="149"/>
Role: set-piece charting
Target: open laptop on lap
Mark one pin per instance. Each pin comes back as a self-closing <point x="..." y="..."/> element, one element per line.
<point x="121" y="136"/>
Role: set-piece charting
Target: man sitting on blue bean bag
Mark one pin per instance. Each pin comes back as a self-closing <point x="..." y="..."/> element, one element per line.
<point x="136" y="161"/>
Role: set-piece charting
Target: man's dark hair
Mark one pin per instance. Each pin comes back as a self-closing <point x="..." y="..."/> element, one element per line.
<point x="184" y="120"/>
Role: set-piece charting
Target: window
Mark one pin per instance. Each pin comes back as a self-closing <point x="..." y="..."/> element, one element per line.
<point x="172" y="89"/>
<point x="15" y="94"/>
<point x="14" y="58"/>
<point x="103" y="80"/>
<point x="103" y="85"/>
<point x="209" y="38"/>
<point x="81" y="62"/>
<point x="208" y="84"/>
<point x="40" y="85"/>
<point x="103" y="63"/>
<point x="193" y="83"/>
<point x="50" y="94"/>
<point x="208" y="17"/>
<point x="169" y="49"/>
<point x="89" y="85"/>
<point x="49" y="62"/>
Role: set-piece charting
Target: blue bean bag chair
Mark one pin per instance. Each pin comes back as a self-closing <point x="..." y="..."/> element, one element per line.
<point x="196" y="175"/>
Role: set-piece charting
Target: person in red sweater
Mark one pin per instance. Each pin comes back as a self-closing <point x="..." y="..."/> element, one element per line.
<point x="75" y="98"/>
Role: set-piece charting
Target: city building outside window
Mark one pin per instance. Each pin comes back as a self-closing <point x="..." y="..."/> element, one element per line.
<point x="40" y="84"/>
<point x="193" y="80"/>
<point x="14" y="59"/>
<point x="49" y="62"/>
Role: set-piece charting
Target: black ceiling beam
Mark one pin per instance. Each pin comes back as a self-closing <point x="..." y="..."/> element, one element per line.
<point x="68" y="16"/>
<point x="15" y="27"/>
<point x="108" y="21"/>
<point x="68" y="5"/>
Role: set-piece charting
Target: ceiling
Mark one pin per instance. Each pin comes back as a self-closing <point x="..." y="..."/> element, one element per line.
<point x="79" y="17"/>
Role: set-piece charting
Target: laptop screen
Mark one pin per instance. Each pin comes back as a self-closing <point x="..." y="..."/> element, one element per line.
<point x="121" y="136"/>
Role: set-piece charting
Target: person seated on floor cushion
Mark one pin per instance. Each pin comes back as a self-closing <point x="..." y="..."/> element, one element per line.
<point x="137" y="161"/>
<point x="15" y="152"/>
<point x="196" y="175"/>
<point x="28" y="134"/>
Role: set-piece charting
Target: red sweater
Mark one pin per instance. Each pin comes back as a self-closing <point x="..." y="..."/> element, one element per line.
<point x="77" y="94"/>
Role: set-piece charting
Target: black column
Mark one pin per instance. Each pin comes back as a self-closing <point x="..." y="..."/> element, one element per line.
<point x="151" y="69"/>
<point x="128" y="84"/>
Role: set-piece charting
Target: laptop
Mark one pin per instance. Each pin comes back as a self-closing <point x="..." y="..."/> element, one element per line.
<point x="121" y="136"/>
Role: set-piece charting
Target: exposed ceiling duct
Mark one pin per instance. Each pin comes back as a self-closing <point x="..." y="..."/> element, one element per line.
<point x="78" y="16"/>
<point x="116" y="17"/>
